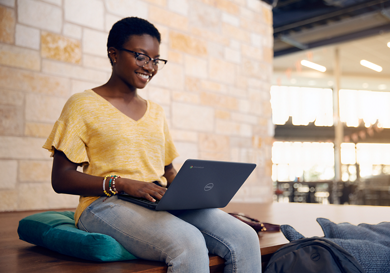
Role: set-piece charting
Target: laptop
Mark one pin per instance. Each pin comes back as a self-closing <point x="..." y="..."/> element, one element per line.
<point x="200" y="184"/>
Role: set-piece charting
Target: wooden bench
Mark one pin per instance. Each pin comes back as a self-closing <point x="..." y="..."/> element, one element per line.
<point x="19" y="256"/>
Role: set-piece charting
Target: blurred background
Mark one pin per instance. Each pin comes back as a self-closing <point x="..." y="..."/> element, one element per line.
<point x="330" y="109"/>
<point x="299" y="87"/>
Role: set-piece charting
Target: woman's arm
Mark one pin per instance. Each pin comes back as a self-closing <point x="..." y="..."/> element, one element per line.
<point x="170" y="173"/>
<point x="66" y="179"/>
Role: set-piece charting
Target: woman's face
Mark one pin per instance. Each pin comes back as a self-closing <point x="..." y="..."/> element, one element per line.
<point x="126" y="66"/>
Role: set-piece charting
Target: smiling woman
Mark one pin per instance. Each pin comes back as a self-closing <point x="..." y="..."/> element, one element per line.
<point x="124" y="145"/>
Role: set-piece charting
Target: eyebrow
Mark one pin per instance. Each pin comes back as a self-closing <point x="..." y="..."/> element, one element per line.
<point x="144" y="52"/>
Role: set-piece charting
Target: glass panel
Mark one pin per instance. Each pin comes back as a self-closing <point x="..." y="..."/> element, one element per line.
<point x="303" y="104"/>
<point x="298" y="161"/>
<point x="366" y="106"/>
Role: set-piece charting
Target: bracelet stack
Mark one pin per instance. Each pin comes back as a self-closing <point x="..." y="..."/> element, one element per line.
<point x="111" y="185"/>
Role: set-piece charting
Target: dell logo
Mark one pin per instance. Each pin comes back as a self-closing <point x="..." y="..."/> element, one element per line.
<point x="208" y="187"/>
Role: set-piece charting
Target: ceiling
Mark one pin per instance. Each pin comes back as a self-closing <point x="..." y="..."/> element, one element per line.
<point x="314" y="29"/>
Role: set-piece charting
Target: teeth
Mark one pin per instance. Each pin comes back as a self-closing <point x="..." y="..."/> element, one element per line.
<point x="144" y="76"/>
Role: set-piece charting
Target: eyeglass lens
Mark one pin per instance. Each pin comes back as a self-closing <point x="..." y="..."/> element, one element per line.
<point x="143" y="60"/>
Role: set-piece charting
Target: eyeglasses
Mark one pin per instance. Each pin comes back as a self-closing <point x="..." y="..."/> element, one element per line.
<point x="143" y="59"/>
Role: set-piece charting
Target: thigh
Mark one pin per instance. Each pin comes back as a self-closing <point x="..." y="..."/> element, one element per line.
<point x="228" y="238"/>
<point x="218" y="225"/>
<point x="152" y="235"/>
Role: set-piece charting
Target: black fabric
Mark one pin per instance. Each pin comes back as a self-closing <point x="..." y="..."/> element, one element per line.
<point x="312" y="255"/>
<point x="368" y="244"/>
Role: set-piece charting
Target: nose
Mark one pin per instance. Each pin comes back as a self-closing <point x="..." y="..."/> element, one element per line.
<point x="148" y="65"/>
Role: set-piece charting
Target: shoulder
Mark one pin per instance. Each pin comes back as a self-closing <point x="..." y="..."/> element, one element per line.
<point x="82" y="97"/>
<point x="155" y="108"/>
<point x="79" y="103"/>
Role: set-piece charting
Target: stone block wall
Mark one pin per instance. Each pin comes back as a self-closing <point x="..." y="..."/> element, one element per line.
<point x="215" y="88"/>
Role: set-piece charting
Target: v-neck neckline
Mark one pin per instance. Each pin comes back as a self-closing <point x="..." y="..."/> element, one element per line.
<point x="119" y="111"/>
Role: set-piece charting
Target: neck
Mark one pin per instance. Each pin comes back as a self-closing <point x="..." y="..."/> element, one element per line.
<point x="115" y="88"/>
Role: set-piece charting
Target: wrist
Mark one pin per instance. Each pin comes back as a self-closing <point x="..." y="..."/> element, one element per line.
<point x="119" y="184"/>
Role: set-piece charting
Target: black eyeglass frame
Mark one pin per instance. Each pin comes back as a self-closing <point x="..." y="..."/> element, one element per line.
<point x="146" y="62"/>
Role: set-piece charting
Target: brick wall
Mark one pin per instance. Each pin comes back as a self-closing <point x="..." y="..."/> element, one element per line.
<point x="215" y="88"/>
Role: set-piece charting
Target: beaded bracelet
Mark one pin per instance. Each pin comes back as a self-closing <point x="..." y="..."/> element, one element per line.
<point x="113" y="188"/>
<point x="113" y="177"/>
<point x="110" y="181"/>
<point x="113" y="185"/>
<point x="104" y="186"/>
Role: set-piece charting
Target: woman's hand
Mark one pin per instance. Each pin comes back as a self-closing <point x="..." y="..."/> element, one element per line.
<point x="149" y="191"/>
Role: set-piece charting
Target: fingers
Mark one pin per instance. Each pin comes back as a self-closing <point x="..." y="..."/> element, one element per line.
<point x="150" y="198"/>
<point x="147" y="190"/>
<point x="153" y="192"/>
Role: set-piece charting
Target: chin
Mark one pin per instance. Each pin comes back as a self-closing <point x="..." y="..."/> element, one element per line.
<point x="138" y="84"/>
<point x="141" y="86"/>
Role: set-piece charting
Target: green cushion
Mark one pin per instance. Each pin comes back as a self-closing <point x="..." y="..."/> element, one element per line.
<point x="57" y="231"/>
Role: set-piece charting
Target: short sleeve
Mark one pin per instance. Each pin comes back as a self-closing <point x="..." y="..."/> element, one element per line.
<point x="67" y="133"/>
<point x="63" y="138"/>
<point x="170" y="149"/>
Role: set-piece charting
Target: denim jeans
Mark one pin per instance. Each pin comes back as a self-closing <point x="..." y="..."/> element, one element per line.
<point x="181" y="239"/>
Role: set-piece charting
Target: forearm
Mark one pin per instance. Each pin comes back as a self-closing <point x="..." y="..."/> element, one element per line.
<point x="66" y="179"/>
<point x="74" y="182"/>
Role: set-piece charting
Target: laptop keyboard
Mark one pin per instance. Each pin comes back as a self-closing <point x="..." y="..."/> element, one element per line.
<point x="147" y="201"/>
<point x="143" y="200"/>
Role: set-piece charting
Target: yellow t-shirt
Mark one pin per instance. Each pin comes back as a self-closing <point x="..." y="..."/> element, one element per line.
<point x="92" y="132"/>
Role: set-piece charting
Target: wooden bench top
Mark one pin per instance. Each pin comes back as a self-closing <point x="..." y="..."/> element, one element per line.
<point x="303" y="218"/>
<point x="19" y="256"/>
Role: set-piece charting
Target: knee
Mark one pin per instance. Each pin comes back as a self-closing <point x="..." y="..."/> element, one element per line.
<point x="244" y="251"/>
<point x="194" y="244"/>
<point x="249" y="239"/>
<point x="197" y="248"/>
<point x="245" y="244"/>
<point x="191" y="254"/>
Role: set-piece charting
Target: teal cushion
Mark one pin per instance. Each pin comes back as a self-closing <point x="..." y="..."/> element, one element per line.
<point x="57" y="231"/>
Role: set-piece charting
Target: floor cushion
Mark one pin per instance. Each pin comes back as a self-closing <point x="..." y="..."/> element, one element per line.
<point x="57" y="231"/>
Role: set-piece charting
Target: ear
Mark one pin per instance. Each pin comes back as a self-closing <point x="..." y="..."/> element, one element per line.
<point x="112" y="55"/>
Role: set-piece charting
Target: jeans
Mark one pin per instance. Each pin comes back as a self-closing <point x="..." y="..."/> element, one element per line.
<point x="181" y="239"/>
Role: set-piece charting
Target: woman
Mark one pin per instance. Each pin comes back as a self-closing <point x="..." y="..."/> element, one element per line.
<point x="123" y="143"/>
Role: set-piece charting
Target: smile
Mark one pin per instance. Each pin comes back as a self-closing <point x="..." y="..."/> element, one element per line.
<point x="145" y="76"/>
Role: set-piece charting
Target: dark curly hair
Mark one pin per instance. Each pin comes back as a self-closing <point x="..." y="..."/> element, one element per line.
<point x="123" y="29"/>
